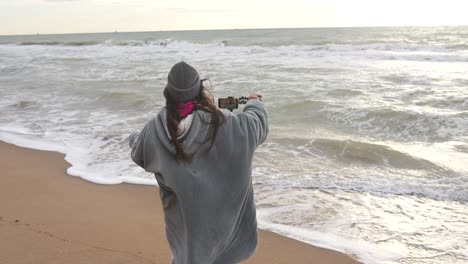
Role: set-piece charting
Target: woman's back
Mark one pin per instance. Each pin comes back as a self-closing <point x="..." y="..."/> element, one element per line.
<point x="208" y="202"/>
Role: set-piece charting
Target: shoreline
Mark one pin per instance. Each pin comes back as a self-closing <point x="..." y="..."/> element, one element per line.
<point x="49" y="216"/>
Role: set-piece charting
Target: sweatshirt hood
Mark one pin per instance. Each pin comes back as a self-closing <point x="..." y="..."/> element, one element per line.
<point x="198" y="134"/>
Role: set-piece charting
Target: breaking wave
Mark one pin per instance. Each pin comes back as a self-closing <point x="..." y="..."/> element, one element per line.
<point x="113" y="42"/>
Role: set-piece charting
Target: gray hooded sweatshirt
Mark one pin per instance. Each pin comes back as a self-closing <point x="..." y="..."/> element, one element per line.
<point x="208" y="204"/>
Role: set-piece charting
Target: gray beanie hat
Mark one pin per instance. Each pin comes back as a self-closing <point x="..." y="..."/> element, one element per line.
<point x="183" y="82"/>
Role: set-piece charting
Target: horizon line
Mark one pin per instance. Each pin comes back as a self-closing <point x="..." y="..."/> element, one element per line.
<point x="226" y="29"/>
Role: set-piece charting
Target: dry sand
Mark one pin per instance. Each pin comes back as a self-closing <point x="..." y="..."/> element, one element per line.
<point x="47" y="216"/>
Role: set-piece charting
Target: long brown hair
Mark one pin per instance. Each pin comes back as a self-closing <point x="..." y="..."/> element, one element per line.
<point x="204" y="102"/>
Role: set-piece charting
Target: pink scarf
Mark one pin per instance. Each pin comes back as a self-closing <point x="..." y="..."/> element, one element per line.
<point x="186" y="108"/>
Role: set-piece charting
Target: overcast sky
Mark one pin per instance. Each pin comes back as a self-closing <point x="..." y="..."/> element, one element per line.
<point x="72" y="16"/>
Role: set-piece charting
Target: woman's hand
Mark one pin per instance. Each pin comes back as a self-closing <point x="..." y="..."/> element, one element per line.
<point x="257" y="95"/>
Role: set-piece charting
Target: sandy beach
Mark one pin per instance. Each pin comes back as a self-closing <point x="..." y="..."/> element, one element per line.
<point x="50" y="217"/>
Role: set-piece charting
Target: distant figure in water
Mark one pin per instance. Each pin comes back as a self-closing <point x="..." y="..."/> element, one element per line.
<point x="202" y="160"/>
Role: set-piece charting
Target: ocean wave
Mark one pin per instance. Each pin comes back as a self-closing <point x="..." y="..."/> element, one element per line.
<point x="341" y="92"/>
<point x="57" y="43"/>
<point x="133" y="43"/>
<point x="301" y="106"/>
<point x="345" y="152"/>
<point x="405" y="78"/>
<point x="380" y="168"/>
<point x="355" y="152"/>
<point x="116" y="42"/>
<point x="400" y="124"/>
<point x="461" y="46"/>
<point x="314" y="46"/>
<point x="289" y="112"/>
<point x="439" y="186"/>
<point x="21" y="104"/>
<point x="454" y="190"/>
<point x="455" y="103"/>
<point x="462" y="148"/>
<point x="365" y="251"/>
<point x="123" y="100"/>
<point x="427" y="120"/>
<point x="348" y="214"/>
<point x="373" y="52"/>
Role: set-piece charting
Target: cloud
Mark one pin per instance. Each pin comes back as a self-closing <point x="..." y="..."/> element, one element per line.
<point x="61" y="0"/>
<point x="187" y="10"/>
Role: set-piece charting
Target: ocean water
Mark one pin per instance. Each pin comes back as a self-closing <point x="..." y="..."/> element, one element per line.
<point x="368" y="150"/>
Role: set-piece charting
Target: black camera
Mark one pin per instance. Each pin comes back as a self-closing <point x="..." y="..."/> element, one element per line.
<point x="231" y="102"/>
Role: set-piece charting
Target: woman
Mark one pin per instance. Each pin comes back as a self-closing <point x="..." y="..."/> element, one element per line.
<point x="202" y="160"/>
